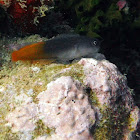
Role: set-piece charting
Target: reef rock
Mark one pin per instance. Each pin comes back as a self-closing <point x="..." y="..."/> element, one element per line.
<point x="65" y="107"/>
<point x="86" y="100"/>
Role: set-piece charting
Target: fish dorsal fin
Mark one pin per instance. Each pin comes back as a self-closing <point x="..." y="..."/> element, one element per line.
<point x="66" y="36"/>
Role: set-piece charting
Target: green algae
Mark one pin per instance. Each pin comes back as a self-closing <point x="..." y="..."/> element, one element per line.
<point x="113" y="14"/>
<point x="52" y="70"/>
<point x="133" y="119"/>
<point x="113" y="124"/>
<point x="41" y="130"/>
<point x="75" y="71"/>
<point x="7" y="134"/>
<point x="94" y="100"/>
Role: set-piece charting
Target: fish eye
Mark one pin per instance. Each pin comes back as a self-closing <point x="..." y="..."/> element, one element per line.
<point x="94" y="42"/>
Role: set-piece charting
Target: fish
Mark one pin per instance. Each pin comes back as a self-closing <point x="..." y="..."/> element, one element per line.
<point x="62" y="48"/>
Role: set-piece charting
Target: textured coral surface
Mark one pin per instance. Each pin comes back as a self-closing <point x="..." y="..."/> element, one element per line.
<point x="66" y="102"/>
<point x="85" y="100"/>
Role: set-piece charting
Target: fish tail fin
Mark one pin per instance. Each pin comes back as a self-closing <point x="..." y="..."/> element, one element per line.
<point x="14" y="56"/>
<point x="29" y="52"/>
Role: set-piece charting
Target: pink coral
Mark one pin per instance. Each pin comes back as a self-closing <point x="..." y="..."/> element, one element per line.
<point x="121" y="4"/>
<point x="22" y="118"/>
<point x="65" y="107"/>
<point x="106" y="81"/>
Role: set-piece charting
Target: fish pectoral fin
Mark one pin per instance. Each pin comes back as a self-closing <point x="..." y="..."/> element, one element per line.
<point x="43" y="61"/>
<point x="39" y="61"/>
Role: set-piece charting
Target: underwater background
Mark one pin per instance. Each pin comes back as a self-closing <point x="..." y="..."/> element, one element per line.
<point x="116" y="23"/>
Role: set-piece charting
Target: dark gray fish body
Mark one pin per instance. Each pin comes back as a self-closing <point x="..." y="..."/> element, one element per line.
<point x="68" y="47"/>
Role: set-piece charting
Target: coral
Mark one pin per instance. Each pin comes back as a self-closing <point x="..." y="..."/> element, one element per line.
<point x="65" y="98"/>
<point x="25" y="13"/>
<point x="25" y="116"/>
<point x="114" y="99"/>
<point x="121" y="4"/>
<point x="86" y="100"/>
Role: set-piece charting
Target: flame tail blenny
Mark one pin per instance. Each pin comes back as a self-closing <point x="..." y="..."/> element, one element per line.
<point x="62" y="48"/>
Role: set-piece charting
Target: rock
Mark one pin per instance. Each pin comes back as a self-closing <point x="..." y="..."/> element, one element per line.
<point x="86" y="100"/>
